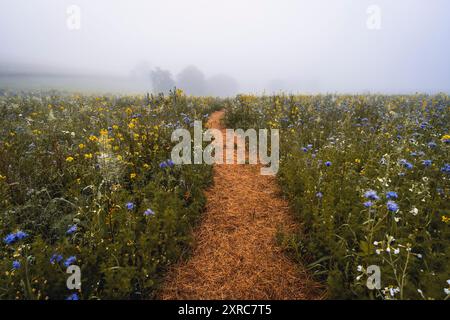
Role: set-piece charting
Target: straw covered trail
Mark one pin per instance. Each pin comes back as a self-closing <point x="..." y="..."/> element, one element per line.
<point x="235" y="255"/>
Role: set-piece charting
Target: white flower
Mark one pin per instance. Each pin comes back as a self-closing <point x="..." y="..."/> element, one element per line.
<point x="388" y="249"/>
<point x="378" y="251"/>
<point x="419" y="256"/>
<point x="358" y="278"/>
<point x="397" y="251"/>
<point x="414" y="211"/>
<point x="375" y="243"/>
<point x="397" y="219"/>
<point x="448" y="281"/>
<point x="447" y="291"/>
<point x="359" y="268"/>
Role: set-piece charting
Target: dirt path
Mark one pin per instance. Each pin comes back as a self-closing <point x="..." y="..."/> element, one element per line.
<point x="235" y="254"/>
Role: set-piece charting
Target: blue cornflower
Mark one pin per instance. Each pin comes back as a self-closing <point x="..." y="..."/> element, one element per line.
<point x="13" y="237"/>
<point x="21" y="235"/>
<point x="391" y="195"/>
<point x="368" y="204"/>
<point x="129" y="205"/>
<point x="73" y="296"/>
<point x="309" y="146"/>
<point x="10" y="238"/>
<point x="328" y="163"/>
<point x="149" y="212"/>
<point x="163" y="165"/>
<point x="427" y="163"/>
<point x="56" y="258"/>
<point x="446" y="168"/>
<point x="406" y="164"/>
<point x="16" y="264"/>
<point x="72" y="229"/>
<point x="432" y="144"/>
<point x="372" y="195"/>
<point x="305" y="149"/>
<point x="70" y="260"/>
<point x="319" y="194"/>
<point x="392" y="206"/>
<point x="170" y="163"/>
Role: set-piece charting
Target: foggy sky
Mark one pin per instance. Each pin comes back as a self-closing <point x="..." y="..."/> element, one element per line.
<point x="295" y="45"/>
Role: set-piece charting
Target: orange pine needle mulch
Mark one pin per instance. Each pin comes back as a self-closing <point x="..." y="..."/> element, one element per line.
<point x="235" y="254"/>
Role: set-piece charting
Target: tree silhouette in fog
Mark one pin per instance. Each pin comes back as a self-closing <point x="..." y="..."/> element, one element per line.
<point x="162" y="80"/>
<point x="192" y="81"/>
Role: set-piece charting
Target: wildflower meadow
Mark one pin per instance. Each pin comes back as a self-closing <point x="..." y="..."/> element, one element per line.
<point x="367" y="177"/>
<point x="88" y="181"/>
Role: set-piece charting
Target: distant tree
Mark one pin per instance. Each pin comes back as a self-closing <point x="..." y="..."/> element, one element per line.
<point x="162" y="80"/>
<point x="222" y="85"/>
<point x="192" y="81"/>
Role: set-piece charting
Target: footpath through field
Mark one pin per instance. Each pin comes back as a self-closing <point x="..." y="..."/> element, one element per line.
<point x="235" y="255"/>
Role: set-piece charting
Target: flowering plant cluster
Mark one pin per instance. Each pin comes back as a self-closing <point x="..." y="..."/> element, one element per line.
<point x="368" y="179"/>
<point x="85" y="180"/>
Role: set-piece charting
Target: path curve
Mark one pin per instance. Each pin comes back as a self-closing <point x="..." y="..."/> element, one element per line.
<point x="235" y="255"/>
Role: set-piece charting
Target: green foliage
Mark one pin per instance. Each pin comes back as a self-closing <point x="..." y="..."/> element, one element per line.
<point x="94" y="163"/>
<point x="371" y="142"/>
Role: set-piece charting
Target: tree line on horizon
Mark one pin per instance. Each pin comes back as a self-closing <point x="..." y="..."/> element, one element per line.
<point x="193" y="81"/>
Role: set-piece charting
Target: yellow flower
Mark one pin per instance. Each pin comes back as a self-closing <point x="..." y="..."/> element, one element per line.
<point x="93" y="138"/>
<point x="69" y="159"/>
<point x="445" y="138"/>
<point x="133" y="175"/>
<point x="78" y="181"/>
<point x="88" y="156"/>
<point x="81" y="146"/>
<point x="146" y="166"/>
<point x="37" y="132"/>
<point x="115" y="127"/>
<point x="116" y="148"/>
<point x="136" y="136"/>
<point x="358" y="160"/>
<point x="445" y="219"/>
<point x="131" y="125"/>
<point x="119" y="157"/>
<point x="2" y="177"/>
<point x="103" y="132"/>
